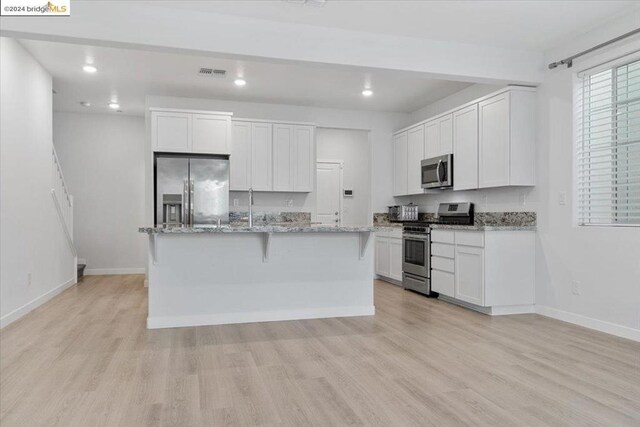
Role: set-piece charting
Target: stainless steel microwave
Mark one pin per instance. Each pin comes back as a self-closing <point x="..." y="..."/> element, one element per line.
<point x="437" y="172"/>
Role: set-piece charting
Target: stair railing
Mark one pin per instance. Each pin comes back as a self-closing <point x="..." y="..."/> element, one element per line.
<point x="63" y="201"/>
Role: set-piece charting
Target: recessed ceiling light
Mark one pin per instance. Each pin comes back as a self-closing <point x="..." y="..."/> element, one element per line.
<point x="240" y="82"/>
<point x="89" y="68"/>
<point x="85" y="104"/>
<point x="367" y="92"/>
<point x="114" y="105"/>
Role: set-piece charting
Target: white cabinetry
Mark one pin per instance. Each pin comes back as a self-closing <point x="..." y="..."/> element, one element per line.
<point x="400" y="146"/>
<point x="190" y="132"/>
<point x="439" y="137"/>
<point x="240" y="160"/>
<point x="261" y="156"/>
<point x="171" y="131"/>
<point x="272" y="157"/>
<point x="492" y="269"/>
<point x="492" y="140"/>
<point x="415" y="154"/>
<point x="465" y="148"/>
<point x="506" y="140"/>
<point x="388" y="257"/>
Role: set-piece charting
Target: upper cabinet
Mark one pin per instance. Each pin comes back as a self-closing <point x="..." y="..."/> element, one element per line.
<point x="465" y="152"/>
<point x="190" y="131"/>
<point x="439" y="137"/>
<point x="415" y="154"/>
<point x="492" y="140"/>
<point x="272" y="157"/>
<point x="506" y="146"/>
<point x="400" y="145"/>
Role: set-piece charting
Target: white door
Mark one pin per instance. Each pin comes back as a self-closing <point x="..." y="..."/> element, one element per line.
<point x="240" y="160"/>
<point x="469" y="276"/>
<point x="415" y="155"/>
<point x="261" y="151"/>
<point x="210" y="134"/>
<point x="329" y="193"/>
<point x="400" y="164"/>
<point x="494" y="142"/>
<point x="465" y="148"/>
<point x="171" y="132"/>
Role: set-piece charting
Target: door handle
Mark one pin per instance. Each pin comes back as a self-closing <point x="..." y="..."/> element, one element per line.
<point x="336" y="213"/>
<point x="191" y="202"/>
<point x="185" y="203"/>
<point x="438" y="171"/>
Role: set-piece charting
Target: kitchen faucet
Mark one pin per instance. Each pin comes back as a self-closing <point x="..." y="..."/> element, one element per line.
<point x="251" y="207"/>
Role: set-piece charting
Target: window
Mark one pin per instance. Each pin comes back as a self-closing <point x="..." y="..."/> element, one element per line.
<point x="608" y="151"/>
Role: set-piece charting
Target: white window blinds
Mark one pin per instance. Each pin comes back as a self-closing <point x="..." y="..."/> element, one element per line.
<point x="608" y="151"/>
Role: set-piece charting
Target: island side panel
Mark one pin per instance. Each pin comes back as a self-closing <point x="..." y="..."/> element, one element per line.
<point x="209" y="279"/>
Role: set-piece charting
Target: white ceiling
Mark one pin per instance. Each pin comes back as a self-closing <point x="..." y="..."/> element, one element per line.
<point x="128" y="75"/>
<point x="528" y="25"/>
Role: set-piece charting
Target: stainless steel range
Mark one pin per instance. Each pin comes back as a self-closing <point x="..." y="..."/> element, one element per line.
<point x="416" y="245"/>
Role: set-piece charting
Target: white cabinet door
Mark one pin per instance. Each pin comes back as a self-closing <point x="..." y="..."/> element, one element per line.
<point x="465" y="148"/>
<point x="240" y="160"/>
<point x="415" y="155"/>
<point x="382" y="256"/>
<point x="469" y="274"/>
<point x="261" y="158"/>
<point x="283" y="143"/>
<point x="304" y="159"/>
<point x="395" y="259"/>
<point x="171" y="131"/>
<point x="400" y="164"/>
<point x="210" y="134"/>
<point x="432" y="139"/>
<point x="446" y="134"/>
<point x="442" y="282"/>
<point x="494" y="142"/>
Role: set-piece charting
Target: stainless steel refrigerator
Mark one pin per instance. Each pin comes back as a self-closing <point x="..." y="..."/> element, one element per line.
<point x="191" y="190"/>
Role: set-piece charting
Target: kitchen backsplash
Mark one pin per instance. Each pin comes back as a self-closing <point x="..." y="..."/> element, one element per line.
<point x="263" y="218"/>
<point x="480" y="218"/>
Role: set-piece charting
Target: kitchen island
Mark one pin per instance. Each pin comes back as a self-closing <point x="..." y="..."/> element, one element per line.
<point x="221" y="275"/>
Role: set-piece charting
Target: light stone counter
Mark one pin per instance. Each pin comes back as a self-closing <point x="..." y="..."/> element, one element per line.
<point x="296" y="228"/>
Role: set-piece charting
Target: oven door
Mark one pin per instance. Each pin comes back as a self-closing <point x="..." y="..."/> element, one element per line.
<point x="437" y="172"/>
<point x="416" y="254"/>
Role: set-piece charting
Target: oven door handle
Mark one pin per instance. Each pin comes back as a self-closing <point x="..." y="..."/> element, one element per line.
<point x="415" y="237"/>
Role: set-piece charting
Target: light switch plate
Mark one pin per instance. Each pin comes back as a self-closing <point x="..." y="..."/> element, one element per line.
<point x="562" y="198"/>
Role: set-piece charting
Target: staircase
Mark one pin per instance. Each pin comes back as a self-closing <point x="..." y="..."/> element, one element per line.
<point x="64" y="205"/>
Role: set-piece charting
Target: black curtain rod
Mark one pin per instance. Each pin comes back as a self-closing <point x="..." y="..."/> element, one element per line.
<point x="569" y="61"/>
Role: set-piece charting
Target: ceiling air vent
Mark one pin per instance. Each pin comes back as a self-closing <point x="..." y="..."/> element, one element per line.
<point x="212" y="72"/>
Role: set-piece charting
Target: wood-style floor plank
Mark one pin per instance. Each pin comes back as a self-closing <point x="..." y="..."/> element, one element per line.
<point x="86" y="358"/>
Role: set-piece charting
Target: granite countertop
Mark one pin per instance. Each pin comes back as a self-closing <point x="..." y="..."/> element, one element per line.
<point x="483" y="227"/>
<point x="293" y="228"/>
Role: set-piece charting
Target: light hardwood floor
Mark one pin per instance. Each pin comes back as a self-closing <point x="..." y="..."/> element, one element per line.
<point x="86" y="359"/>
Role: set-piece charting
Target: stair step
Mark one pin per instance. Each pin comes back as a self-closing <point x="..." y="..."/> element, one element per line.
<point x="81" y="270"/>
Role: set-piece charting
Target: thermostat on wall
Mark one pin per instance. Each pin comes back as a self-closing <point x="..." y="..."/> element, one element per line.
<point x="348" y="193"/>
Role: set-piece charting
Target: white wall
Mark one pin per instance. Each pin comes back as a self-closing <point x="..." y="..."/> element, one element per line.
<point x="605" y="260"/>
<point x="380" y="125"/>
<point x="103" y="160"/>
<point x="353" y="148"/>
<point x="32" y="240"/>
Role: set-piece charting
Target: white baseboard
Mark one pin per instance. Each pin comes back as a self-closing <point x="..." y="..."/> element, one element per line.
<point x="260" y="316"/>
<point x="499" y="310"/>
<point x="588" y="322"/>
<point x="35" y="303"/>
<point x="113" y="271"/>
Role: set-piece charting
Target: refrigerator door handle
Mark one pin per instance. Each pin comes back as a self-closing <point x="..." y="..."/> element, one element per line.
<point x="191" y="203"/>
<point x="185" y="205"/>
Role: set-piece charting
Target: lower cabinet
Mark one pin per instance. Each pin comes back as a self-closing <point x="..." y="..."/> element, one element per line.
<point x="388" y="255"/>
<point x="492" y="269"/>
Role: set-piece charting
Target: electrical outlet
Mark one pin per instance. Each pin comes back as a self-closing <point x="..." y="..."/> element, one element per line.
<point x="28" y="279"/>
<point x="575" y="287"/>
<point x="289" y="203"/>
<point x="236" y="202"/>
<point x="562" y="198"/>
<point x="485" y="200"/>
<point x="523" y="199"/>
